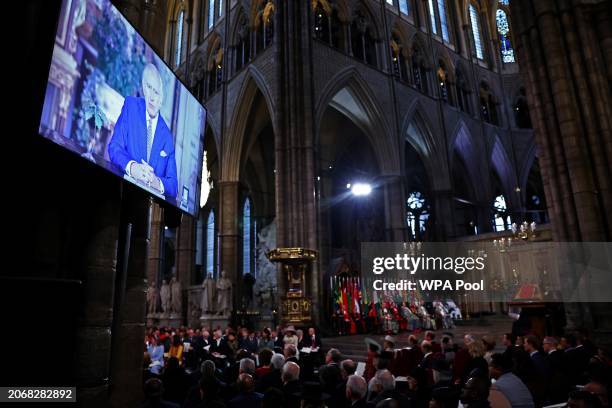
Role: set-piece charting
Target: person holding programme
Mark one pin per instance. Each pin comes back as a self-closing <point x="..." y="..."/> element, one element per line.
<point x="142" y="145"/>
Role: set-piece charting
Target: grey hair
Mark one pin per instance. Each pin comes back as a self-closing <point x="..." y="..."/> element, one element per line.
<point x="277" y="361"/>
<point x="357" y="385"/>
<point x="247" y="366"/>
<point x="386" y="379"/>
<point x="291" y="371"/>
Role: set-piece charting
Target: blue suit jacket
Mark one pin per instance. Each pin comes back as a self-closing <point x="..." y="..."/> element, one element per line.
<point x="129" y="142"/>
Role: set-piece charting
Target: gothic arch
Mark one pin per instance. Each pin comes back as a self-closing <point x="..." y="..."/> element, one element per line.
<point x="502" y="165"/>
<point x="233" y="143"/>
<point x="463" y="144"/>
<point x="425" y="144"/>
<point x="374" y="125"/>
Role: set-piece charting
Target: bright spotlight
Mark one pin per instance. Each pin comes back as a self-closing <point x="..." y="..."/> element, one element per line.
<point x="361" y="189"/>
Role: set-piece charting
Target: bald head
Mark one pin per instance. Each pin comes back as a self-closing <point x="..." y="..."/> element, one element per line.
<point x="152" y="89"/>
<point x="246" y="383"/>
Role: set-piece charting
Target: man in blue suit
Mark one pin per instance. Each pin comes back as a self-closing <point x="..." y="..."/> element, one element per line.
<point x="142" y="145"/>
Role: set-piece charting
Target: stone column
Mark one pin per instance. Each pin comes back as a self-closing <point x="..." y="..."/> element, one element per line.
<point x="93" y="336"/>
<point x="155" y="245"/>
<point x="153" y="21"/>
<point x="559" y="46"/>
<point x="564" y="53"/>
<point x="295" y="177"/>
<point x="444" y="219"/>
<point x="228" y="234"/>
<point x="130" y="303"/>
<point x="185" y="257"/>
<point x="395" y="210"/>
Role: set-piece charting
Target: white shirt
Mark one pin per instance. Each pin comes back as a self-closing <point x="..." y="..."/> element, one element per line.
<point x="151" y="121"/>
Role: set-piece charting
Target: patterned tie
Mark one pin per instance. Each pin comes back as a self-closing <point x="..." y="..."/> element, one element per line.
<point x="149" y="137"/>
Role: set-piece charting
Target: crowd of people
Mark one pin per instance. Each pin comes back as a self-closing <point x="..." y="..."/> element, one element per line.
<point x="289" y="368"/>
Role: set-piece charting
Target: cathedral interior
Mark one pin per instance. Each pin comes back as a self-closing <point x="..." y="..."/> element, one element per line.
<point x="461" y="116"/>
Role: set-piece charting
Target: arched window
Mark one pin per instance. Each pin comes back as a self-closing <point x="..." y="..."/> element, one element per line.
<point x="398" y="60"/>
<point x="521" y="112"/>
<point x="243" y="44"/>
<point x="476" y="32"/>
<point x="505" y="42"/>
<point x="463" y="91"/>
<point x="419" y="70"/>
<point x="215" y="70"/>
<point x="247" y="251"/>
<point x="264" y="25"/>
<point x="501" y="219"/>
<point x="211" y="13"/>
<point x="362" y="38"/>
<point x="180" y="20"/>
<point x="432" y="17"/>
<point x="438" y="17"/>
<point x="443" y="83"/>
<point x="488" y="105"/>
<point x="417" y="214"/>
<point x="210" y="244"/>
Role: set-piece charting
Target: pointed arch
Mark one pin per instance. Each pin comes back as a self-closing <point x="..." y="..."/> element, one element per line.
<point x="253" y="83"/>
<point x="463" y="144"/>
<point x="370" y="118"/>
<point x="502" y="165"/>
<point x="417" y="132"/>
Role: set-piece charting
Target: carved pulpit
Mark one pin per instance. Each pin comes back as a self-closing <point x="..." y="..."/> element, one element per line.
<point x="296" y="266"/>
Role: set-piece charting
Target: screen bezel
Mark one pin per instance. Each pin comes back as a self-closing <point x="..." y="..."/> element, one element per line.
<point x="162" y="202"/>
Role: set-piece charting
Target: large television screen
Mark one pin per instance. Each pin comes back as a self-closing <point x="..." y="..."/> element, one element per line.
<point x="112" y="100"/>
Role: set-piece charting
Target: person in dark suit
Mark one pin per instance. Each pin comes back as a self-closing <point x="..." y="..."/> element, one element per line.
<point x="385" y="388"/>
<point x="356" y="391"/>
<point x="247" y="398"/>
<point x="141" y="145"/>
<point x="291" y="384"/>
<point x="541" y="369"/>
<point x="559" y="385"/>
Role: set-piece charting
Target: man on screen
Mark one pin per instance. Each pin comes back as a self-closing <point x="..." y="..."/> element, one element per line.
<point x="142" y="145"/>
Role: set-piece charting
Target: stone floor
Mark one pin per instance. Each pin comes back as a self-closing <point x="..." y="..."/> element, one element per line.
<point x="354" y="347"/>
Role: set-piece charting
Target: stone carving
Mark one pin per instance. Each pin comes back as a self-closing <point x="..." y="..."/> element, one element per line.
<point x="207" y="303"/>
<point x="152" y="296"/>
<point x="224" y="295"/>
<point x="265" y="286"/>
<point x="165" y="297"/>
<point x="177" y="296"/>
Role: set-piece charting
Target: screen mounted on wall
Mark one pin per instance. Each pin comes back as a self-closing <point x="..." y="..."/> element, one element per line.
<point x="113" y="101"/>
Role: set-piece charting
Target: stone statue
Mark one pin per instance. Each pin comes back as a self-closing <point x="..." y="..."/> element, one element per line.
<point x="177" y="296"/>
<point x="224" y="295"/>
<point x="152" y="299"/>
<point x="207" y="304"/>
<point x="164" y="293"/>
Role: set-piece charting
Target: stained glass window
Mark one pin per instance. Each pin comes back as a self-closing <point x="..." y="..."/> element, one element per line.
<point x="504" y="2"/>
<point x="475" y="21"/>
<point x="246" y="237"/>
<point x="403" y="5"/>
<point x="179" y="37"/>
<point x="501" y="221"/>
<point x="211" y="13"/>
<point x="505" y="44"/>
<point x="210" y="244"/>
<point x="432" y="16"/>
<point x="220" y="7"/>
<point x="443" y="21"/>
<point x="417" y="214"/>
